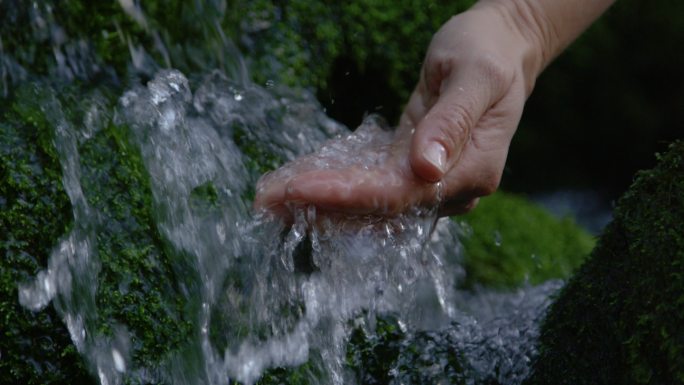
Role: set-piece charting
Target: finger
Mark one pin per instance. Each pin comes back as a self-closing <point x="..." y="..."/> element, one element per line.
<point x="422" y="98"/>
<point x="477" y="174"/>
<point x="270" y="196"/>
<point x="348" y="190"/>
<point x="414" y="111"/>
<point x="359" y="191"/>
<point x="445" y="129"/>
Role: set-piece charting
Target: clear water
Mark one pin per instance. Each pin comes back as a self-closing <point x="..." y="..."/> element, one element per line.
<point x="269" y="295"/>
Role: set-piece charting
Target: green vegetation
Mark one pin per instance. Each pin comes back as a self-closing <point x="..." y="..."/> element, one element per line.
<point x="141" y="284"/>
<point x="509" y="241"/>
<point x="326" y="46"/>
<point x="388" y="354"/>
<point x="619" y="319"/>
<point x="34" y="213"/>
<point x="137" y="286"/>
<point x="333" y="46"/>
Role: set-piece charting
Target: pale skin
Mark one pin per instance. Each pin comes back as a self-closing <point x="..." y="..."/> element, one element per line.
<point x="458" y="124"/>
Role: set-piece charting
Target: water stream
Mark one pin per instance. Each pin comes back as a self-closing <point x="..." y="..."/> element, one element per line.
<point x="258" y="294"/>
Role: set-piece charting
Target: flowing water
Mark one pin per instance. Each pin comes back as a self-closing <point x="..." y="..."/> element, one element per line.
<point x="260" y="294"/>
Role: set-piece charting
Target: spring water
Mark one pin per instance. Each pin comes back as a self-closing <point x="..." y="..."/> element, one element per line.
<point x="261" y="294"/>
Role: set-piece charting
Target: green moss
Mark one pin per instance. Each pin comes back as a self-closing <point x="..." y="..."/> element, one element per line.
<point x="204" y="195"/>
<point x="372" y="356"/>
<point x="389" y="355"/>
<point x="323" y="45"/>
<point x="509" y="241"/>
<point x="137" y="285"/>
<point x="619" y="320"/>
<point x="104" y="26"/>
<point x="329" y="46"/>
<point x="305" y="374"/>
<point x="34" y="213"/>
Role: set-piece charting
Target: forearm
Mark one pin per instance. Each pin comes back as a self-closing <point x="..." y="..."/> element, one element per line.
<point x="548" y="25"/>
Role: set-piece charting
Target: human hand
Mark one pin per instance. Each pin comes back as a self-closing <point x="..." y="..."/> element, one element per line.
<point x="477" y="74"/>
<point x="456" y="130"/>
<point x="366" y="172"/>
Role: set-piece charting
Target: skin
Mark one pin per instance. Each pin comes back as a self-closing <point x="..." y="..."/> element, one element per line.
<point x="452" y="141"/>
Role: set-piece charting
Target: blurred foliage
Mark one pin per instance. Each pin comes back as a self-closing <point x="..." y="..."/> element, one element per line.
<point x="509" y="241"/>
<point x="324" y="45"/>
<point x="361" y="56"/>
<point x="302" y="375"/>
<point x="619" y="319"/>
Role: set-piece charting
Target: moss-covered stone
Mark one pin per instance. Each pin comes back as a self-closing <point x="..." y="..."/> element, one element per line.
<point x="323" y="45"/>
<point x="619" y="320"/>
<point x="35" y="348"/>
<point x="509" y="241"/>
<point x="137" y="286"/>
<point x="389" y="355"/>
<point x="378" y="45"/>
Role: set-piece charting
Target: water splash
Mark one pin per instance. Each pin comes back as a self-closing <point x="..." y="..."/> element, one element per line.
<point x="302" y="312"/>
<point x="42" y="37"/>
<point x="266" y="295"/>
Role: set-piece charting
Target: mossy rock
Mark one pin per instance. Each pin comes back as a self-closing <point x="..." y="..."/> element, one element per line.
<point x="35" y="213"/>
<point x="35" y="348"/>
<point x="321" y="45"/>
<point x="509" y="241"/>
<point x="619" y="319"/>
<point x="360" y="56"/>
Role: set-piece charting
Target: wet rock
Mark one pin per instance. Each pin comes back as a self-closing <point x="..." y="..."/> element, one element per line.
<point x="619" y="319"/>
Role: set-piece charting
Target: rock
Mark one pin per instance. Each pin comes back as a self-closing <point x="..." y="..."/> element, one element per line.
<point x="619" y="319"/>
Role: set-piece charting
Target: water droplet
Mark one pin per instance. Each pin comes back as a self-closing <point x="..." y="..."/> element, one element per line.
<point x="221" y="232"/>
<point x="497" y="238"/>
<point x="119" y="363"/>
<point x="103" y="377"/>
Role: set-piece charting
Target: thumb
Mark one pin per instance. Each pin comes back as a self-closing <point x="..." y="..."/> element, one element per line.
<point x="445" y="129"/>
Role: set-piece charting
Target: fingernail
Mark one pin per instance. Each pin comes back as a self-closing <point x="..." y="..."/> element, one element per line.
<point x="435" y="153"/>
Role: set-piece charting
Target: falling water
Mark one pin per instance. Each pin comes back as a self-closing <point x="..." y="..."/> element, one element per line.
<point x="259" y="294"/>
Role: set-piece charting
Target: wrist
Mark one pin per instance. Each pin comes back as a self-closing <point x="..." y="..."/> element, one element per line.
<point x="526" y="44"/>
<point x="548" y="25"/>
<point x="526" y="20"/>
